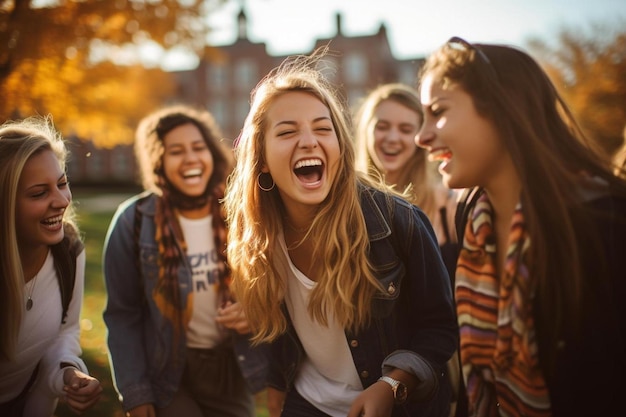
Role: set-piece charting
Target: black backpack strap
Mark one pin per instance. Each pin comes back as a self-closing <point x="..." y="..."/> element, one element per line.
<point x="467" y="200"/>
<point x="65" y="254"/>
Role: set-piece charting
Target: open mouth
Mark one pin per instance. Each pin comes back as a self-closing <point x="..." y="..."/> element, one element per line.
<point x="390" y="152"/>
<point x="440" y="155"/>
<point x="191" y="173"/>
<point x="309" y="170"/>
<point x="53" y="222"/>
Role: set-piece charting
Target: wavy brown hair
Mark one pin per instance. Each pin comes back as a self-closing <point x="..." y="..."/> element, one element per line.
<point x="552" y="157"/>
<point x="255" y="217"/>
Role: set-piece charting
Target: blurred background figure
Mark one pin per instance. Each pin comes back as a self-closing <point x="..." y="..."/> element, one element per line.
<point x="167" y="279"/>
<point x="42" y="265"/>
<point x="386" y="124"/>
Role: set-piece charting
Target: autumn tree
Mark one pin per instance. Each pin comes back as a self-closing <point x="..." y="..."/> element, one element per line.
<point x="589" y="70"/>
<point x="62" y="57"/>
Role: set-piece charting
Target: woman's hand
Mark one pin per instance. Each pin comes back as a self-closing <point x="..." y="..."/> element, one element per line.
<point x="232" y="317"/>
<point x="144" y="410"/>
<point x="375" y="401"/>
<point x="275" y="401"/>
<point x="82" y="391"/>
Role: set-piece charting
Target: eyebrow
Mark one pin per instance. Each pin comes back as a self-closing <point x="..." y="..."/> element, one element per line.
<point x="182" y="145"/>
<point x="292" y="122"/>
<point x="63" y="175"/>
<point x="437" y="100"/>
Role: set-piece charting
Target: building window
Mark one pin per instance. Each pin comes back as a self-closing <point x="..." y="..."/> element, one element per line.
<point x="241" y="111"/>
<point x="246" y="74"/>
<point x="355" y="97"/>
<point x="217" y="108"/>
<point x="122" y="163"/>
<point x="407" y="74"/>
<point x="329" y="67"/>
<point x="218" y="78"/>
<point x="95" y="165"/>
<point x="355" y="68"/>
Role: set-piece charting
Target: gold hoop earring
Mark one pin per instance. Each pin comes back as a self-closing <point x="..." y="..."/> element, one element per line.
<point x="266" y="189"/>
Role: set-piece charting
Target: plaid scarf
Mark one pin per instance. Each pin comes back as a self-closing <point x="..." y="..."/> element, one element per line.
<point x="173" y="249"/>
<point x="498" y="340"/>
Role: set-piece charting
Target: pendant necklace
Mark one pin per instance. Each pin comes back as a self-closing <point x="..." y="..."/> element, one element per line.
<point x="29" y="302"/>
<point x="296" y="229"/>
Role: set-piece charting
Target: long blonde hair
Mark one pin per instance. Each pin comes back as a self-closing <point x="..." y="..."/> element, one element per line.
<point x="417" y="179"/>
<point x="19" y="141"/>
<point x="347" y="284"/>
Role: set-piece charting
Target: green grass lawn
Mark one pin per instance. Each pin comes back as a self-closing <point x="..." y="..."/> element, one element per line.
<point x="94" y="223"/>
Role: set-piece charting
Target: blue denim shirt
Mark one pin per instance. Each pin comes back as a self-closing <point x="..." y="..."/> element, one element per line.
<point x="414" y="324"/>
<point x="141" y="341"/>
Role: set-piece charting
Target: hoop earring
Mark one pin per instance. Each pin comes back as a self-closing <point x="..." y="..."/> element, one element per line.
<point x="266" y="189"/>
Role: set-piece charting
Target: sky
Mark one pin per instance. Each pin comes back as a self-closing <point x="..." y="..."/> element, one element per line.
<point x="414" y="27"/>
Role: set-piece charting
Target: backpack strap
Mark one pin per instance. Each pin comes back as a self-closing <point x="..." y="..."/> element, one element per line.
<point x="467" y="200"/>
<point x="65" y="254"/>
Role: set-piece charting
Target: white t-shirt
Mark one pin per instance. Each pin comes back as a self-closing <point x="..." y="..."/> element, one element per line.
<point x="202" y="331"/>
<point x="327" y="377"/>
<point x="43" y="338"/>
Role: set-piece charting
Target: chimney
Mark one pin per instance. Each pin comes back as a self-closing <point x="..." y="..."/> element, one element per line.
<point x="242" y="25"/>
<point x="338" y="20"/>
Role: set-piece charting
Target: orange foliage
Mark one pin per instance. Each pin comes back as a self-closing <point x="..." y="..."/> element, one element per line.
<point x="45" y="65"/>
<point x="589" y="70"/>
<point x="102" y="103"/>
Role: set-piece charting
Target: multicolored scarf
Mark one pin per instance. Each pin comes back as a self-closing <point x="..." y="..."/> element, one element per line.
<point x="172" y="250"/>
<point x="498" y="339"/>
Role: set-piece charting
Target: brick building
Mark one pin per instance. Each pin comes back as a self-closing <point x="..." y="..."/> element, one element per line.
<point x="223" y="83"/>
<point x="223" y="80"/>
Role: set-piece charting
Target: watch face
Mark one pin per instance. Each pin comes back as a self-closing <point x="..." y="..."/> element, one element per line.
<point x="400" y="393"/>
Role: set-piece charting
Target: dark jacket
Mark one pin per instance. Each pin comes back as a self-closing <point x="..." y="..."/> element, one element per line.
<point x="590" y="373"/>
<point x="589" y="377"/>
<point x="413" y="321"/>
<point x="141" y="340"/>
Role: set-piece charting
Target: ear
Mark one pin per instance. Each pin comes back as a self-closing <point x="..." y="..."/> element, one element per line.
<point x="265" y="169"/>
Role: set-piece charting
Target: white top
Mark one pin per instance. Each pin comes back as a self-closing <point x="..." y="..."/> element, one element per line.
<point x="327" y="377"/>
<point x="43" y="338"/>
<point x="202" y="331"/>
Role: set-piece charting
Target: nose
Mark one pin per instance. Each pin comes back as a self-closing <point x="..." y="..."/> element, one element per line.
<point x="191" y="155"/>
<point x="307" y="139"/>
<point x="425" y="137"/>
<point x="62" y="198"/>
<point x="393" y="135"/>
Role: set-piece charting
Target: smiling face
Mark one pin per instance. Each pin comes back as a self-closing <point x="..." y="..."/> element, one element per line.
<point x="187" y="160"/>
<point x="301" y="150"/>
<point x="43" y="194"/>
<point x="392" y="143"/>
<point x="467" y="144"/>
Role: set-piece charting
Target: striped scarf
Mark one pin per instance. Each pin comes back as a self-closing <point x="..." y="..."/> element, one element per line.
<point x="173" y="249"/>
<point x="498" y="340"/>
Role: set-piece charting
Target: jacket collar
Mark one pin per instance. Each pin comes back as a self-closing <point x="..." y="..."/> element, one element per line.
<point x="371" y="202"/>
<point x="146" y="203"/>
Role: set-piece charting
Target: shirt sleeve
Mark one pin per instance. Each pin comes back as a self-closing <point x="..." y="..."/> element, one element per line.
<point x="66" y="348"/>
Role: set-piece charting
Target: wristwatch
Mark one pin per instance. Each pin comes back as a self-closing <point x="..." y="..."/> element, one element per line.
<point x="400" y="391"/>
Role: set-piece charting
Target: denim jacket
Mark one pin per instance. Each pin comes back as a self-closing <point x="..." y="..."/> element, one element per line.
<point x="141" y="341"/>
<point x="413" y="324"/>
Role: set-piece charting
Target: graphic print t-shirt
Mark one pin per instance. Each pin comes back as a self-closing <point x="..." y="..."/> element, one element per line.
<point x="203" y="331"/>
